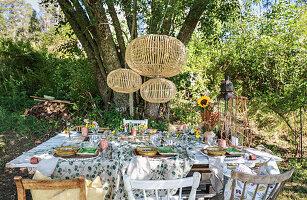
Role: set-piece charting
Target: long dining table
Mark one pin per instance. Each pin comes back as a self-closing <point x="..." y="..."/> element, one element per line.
<point x="120" y="159"/>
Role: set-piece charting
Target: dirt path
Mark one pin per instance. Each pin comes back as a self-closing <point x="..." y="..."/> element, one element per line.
<point x="15" y="145"/>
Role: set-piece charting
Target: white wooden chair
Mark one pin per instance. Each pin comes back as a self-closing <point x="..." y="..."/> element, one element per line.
<point x="277" y="180"/>
<point x="156" y="185"/>
<point x="134" y="123"/>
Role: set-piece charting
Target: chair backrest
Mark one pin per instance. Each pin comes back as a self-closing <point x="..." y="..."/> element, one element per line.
<point x="278" y="179"/>
<point x="162" y="185"/>
<point x="134" y="123"/>
<point x="25" y="184"/>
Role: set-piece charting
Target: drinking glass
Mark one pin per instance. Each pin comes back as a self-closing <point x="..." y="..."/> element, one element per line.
<point x="212" y="140"/>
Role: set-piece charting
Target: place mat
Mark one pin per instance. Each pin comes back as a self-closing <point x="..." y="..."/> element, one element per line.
<point x="152" y="156"/>
<point x="77" y="156"/>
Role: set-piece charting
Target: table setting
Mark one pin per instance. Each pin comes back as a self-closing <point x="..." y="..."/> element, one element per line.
<point x="112" y="154"/>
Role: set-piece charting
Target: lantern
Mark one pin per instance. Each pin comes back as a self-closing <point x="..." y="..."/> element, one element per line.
<point x="124" y="80"/>
<point x="156" y="56"/>
<point x="227" y="89"/>
<point x="158" y="90"/>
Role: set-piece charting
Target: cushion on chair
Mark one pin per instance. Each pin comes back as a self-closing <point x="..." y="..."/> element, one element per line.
<point x="250" y="188"/>
<point x="43" y="194"/>
<point x="94" y="190"/>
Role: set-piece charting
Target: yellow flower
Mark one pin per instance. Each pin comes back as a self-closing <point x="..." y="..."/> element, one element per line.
<point x="203" y="101"/>
<point x="113" y="132"/>
<point x="197" y="135"/>
<point x="110" y="139"/>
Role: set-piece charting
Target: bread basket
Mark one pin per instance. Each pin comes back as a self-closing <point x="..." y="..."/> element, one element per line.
<point x="147" y="151"/>
<point x="216" y="151"/>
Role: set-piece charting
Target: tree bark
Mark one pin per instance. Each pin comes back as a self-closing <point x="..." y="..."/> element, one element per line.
<point x="191" y="21"/>
<point x="152" y="110"/>
<point x="81" y="26"/>
<point x="99" y="36"/>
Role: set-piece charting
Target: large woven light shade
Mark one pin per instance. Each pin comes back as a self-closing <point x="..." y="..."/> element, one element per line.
<point x="158" y="90"/>
<point x="156" y="56"/>
<point x="124" y="80"/>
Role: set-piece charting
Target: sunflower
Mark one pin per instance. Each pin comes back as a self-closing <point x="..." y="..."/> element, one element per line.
<point x="203" y="101"/>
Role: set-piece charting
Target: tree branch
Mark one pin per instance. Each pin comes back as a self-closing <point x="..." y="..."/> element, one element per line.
<point x="168" y="18"/>
<point x="127" y="10"/>
<point x="105" y="39"/>
<point x="191" y="21"/>
<point x="89" y="45"/>
<point x="134" y="22"/>
<point x="118" y="30"/>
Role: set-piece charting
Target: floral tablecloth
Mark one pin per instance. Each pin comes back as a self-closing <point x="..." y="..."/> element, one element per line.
<point x="114" y="164"/>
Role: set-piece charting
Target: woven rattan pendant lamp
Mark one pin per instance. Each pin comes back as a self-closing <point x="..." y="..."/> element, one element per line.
<point x="124" y="80"/>
<point x="158" y="90"/>
<point x="156" y="56"/>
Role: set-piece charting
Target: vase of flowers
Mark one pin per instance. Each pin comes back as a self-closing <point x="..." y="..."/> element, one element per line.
<point x="84" y="129"/>
<point x="209" y="115"/>
<point x="94" y="127"/>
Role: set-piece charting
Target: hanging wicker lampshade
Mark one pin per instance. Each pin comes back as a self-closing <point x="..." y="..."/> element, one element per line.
<point x="124" y="80"/>
<point x="158" y="90"/>
<point x="156" y="56"/>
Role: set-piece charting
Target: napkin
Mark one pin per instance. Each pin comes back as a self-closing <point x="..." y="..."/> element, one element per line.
<point x="216" y="166"/>
<point x="139" y="168"/>
<point x="47" y="165"/>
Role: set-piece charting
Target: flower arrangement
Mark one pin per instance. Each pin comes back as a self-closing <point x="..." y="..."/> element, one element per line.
<point x="165" y="134"/>
<point x="142" y="128"/>
<point x="197" y="132"/>
<point x="210" y="116"/>
<point x="93" y="126"/>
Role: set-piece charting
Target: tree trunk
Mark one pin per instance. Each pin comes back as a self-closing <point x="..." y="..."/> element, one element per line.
<point x="152" y="110"/>
<point x="90" y="24"/>
<point x="93" y="31"/>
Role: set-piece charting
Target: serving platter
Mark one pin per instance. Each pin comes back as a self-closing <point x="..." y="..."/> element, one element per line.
<point x="204" y="151"/>
<point x="152" y="156"/>
<point x="87" y="151"/>
<point x="167" y="151"/>
<point x="76" y="156"/>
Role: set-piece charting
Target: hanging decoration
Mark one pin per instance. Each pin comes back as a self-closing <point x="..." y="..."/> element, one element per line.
<point x="124" y="80"/>
<point x="156" y="56"/>
<point x="158" y="90"/>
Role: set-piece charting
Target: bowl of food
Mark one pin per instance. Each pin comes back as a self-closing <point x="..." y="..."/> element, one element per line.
<point x="216" y="151"/>
<point x="147" y="151"/>
<point x="66" y="151"/>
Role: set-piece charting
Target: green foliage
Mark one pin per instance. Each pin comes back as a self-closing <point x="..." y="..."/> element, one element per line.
<point x="23" y="126"/>
<point x="264" y="54"/>
<point x="25" y="71"/>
